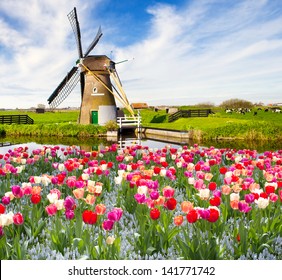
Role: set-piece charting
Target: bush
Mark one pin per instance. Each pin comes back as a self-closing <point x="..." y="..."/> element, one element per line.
<point x="111" y="125"/>
<point x="236" y="103"/>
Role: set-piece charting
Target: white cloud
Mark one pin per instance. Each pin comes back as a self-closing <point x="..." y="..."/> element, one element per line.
<point x="204" y="51"/>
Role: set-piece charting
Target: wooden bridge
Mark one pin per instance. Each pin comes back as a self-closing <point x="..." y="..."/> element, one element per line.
<point x="189" y="114"/>
<point x="18" y="119"/>
<point x="129" y="123"/>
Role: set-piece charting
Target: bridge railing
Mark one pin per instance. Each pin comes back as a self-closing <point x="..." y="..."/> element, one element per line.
<point x="129" y="122"/>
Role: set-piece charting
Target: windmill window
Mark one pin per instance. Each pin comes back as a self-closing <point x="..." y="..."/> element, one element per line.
<point x="95" y="90"/>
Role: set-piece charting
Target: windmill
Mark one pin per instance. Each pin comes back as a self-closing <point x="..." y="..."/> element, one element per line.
<point x="95" y="74"/>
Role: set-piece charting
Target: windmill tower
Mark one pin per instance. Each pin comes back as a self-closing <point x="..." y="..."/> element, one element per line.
<point x="95" y="73"/>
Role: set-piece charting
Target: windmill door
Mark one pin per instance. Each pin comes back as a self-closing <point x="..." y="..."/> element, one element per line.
<point x="94" y="117"/>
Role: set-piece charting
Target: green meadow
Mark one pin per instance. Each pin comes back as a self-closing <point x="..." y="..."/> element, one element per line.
<point x="220" y="125"/>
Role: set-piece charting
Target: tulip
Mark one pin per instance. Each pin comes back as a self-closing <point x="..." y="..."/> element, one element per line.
<point x="51" y="209"/>
<point x="6" y="200"/>
<point x="178" y="220"/>
<point x="171" y="203"/>
<point x="2" y="209"/>
<point x="155" y="213"/>
<point x="214" y="214"/>
<point x="100" y="209"/>
<point x="35" y="198"/>
<point x="69" y="203"/>
<point x="89" y="217"/>
<point x="186" y="206"/>
<point x="107" y="224"/>
<point x="192" y="216"/>
<point x="69" y="214"/>
<point x="18" y="219"/>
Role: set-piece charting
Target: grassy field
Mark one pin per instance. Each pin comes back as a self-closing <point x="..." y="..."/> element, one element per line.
<point x="58" y="124"/>
<point x="262" y="126"/>
<point x="47" y="117"/>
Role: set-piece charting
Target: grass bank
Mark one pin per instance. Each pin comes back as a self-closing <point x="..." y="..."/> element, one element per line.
<point x="262" y="126"/>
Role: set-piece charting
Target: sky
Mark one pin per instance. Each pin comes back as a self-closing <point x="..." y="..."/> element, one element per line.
<point x="179" y="52"/>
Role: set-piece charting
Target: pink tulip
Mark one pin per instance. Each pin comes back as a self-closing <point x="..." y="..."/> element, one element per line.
<point x="17" y="191"/>
<point x="18" y="219"/>
<point x="51" y="209"/>
<point x="168" y="192"/>
<point x="108" y="224"/>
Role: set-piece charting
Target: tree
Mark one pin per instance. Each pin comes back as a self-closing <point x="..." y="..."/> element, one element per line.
<point x="236" y="103"/>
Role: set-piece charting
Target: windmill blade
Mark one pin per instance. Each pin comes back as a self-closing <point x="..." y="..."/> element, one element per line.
<point x="72" y="16"/>
<point x="94" y="42"/>
<point x="64" y="88"/>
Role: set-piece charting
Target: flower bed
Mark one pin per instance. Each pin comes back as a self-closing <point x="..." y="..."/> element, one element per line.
<point x="140" y="203"/>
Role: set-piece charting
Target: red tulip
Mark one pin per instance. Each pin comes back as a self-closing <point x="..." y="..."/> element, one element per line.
<point x="35" y="198"/>
<point x="89" y="217"/>
<point x="192" y="216"/>
<point x="214" y="215"/>
<point x="171" y="203"/>
<point x="2" y="209"/>
<point x="155" y="213"/>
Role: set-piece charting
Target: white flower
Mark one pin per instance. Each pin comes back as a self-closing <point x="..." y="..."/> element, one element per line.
<point x="173" y="157"/>
<point x="104" y="166"/>
<point x="45" y="181"/>
<point x="162" y="172"/>
<point x="120" y="172"/>
<point x="10" y="194"/>
<point x="234" y="196"/>
<point x="25" y="185"/>
<point x="91" y="183"/>
<point x="59" y="204"/>
<point x="19" y="169"/>
<point x="262" y="202"/>
<point x="228" y="174"/>
<point x="84" y="176"/>
<point x="37" y="179"/>
<point x="6" y="219"/>
<point x="61" y="167"/>
<point x="162" y="159"/>
<point x="204" y="194"/>
<point x="128" y="168"/>
<point x="179" y="164"/>
<point x="238" y="159"/>
<point x="23" y="161"/>
<point x="191" y="180"/>
<point x="142" y="190"/>
<point x="80" y="167"/>
<point x="52" y="197"/>
<point x="110" y="240"/>
<point x="118" y="180"/>
<point x="98" y="188"/>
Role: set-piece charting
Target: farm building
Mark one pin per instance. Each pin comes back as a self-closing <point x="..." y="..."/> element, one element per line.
<point x="139" y="106"/>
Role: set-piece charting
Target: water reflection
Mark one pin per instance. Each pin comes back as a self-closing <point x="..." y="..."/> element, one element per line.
<point x="97" y="143"/>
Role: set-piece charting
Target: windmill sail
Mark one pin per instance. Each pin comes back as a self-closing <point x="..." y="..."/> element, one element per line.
<point x="64" y="88"/>
<point x="94" y="42"/>
<point x="72" y="16"/>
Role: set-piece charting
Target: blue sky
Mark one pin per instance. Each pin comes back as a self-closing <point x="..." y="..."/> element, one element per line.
<point x="179" y="52"/>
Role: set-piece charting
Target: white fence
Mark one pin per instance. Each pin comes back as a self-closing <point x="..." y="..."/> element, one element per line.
<point x="129" y="122"/>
